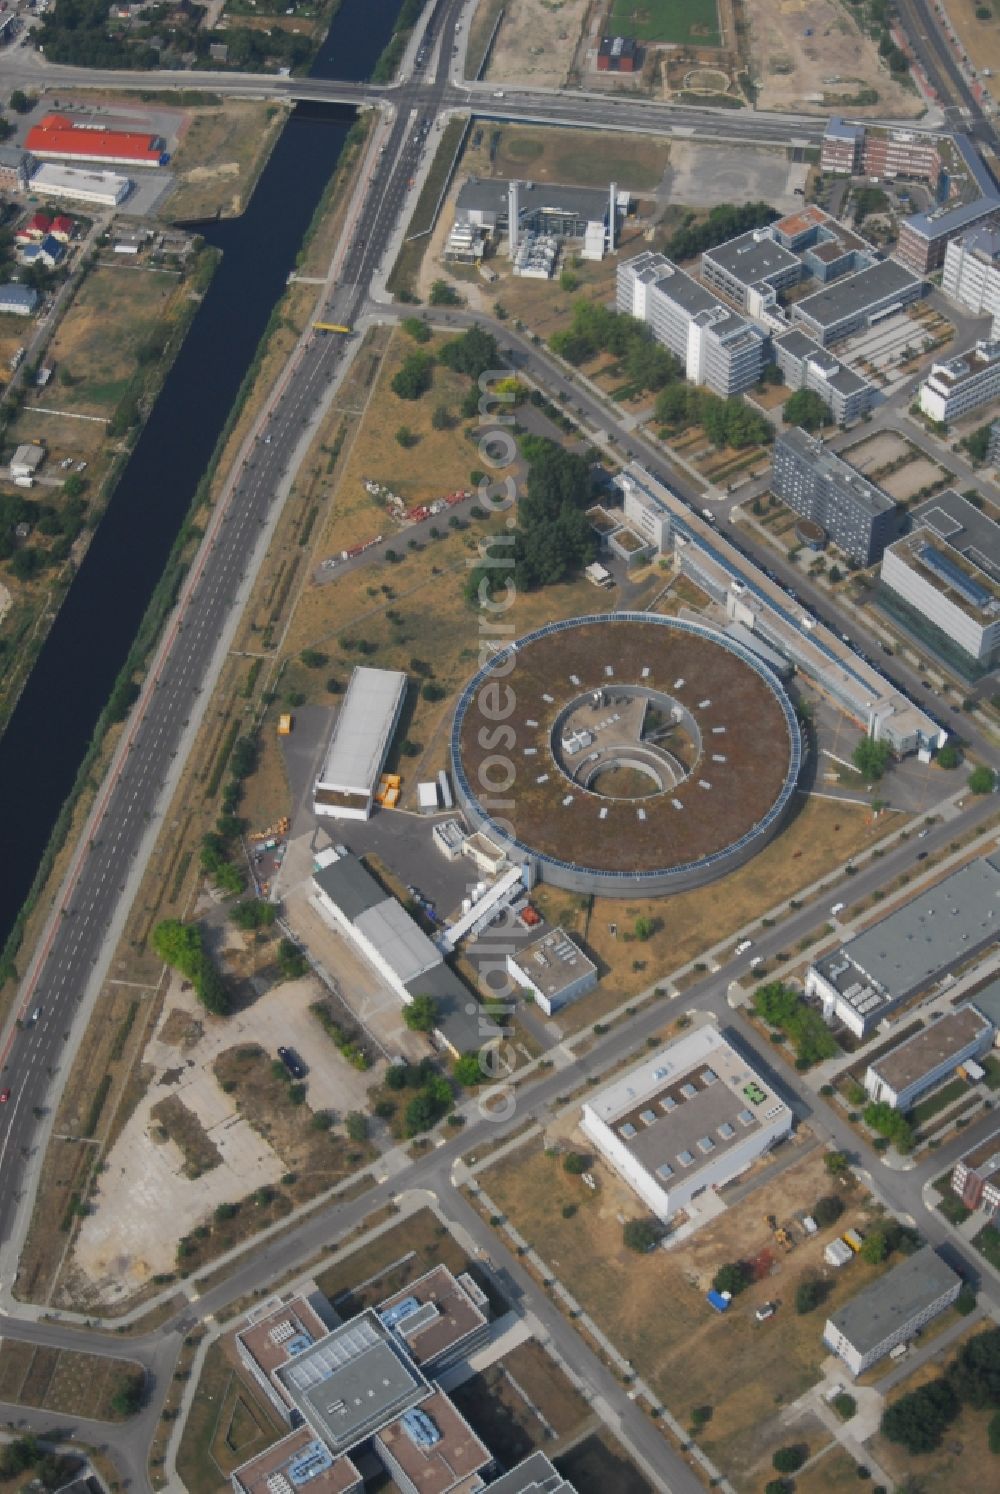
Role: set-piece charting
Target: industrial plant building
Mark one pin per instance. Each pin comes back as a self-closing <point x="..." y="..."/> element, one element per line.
<point x="906" y="953"/>
<point x="891" y="1310"/>
<point x="362" y="736"/>
<point x="554" y="969"/>
<point x="350" y="900"/>
<point x="961" y="385"/>
<point x="691" y="1117"/>
<point x="536" y="219"/>
<point x="907" y="1071"/>
<point x="859" y="518"/>
<point x="943" y="580"/>
<point x="717" y="347"/>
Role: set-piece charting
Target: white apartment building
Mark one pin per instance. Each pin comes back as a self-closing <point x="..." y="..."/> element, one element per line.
<point x="962" y="384"/>
<point x="916" y="1065"/>
<point x="971" y="273"/>
<point x="717" y="347"/>
<point x="690" y="1117"/>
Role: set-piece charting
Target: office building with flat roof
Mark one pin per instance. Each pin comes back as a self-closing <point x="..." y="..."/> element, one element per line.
<point x="361" y="738"/>
<point x="554" y="969"/>
<point x="805" y="365"/>
<point x="944" y="579"/>
<point x="971" y="274"/>
<point x="976" y="1175"/>
<point x="855" y="302"/>
<point x="299" y="1464"/>
<point x="431" y="1449"/>
<point x="859" y="518"/>
<point x="843" y="144"/>
<point x="693" y="1115"/>
<point x="440" y="1317"/>
<point x="891" y="1310"/>
<point x="718" y="348"/>
<point x="907" y="1071"/>
<point x="911" y="949"/>
<point x="751" y="270"/>
<point x="275" y="1332"/>
<point x="959" y="385"/>
<point x="536" y="1475"/>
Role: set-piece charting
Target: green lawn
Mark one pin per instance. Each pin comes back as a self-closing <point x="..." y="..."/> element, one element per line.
<point x="685" y="21"/>
<point x="937" y="1101"/>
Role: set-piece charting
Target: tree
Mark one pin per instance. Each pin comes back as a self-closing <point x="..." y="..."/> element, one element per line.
<point x="127" y="1398"/>
<point x="732" y="1278"/>
<point x="880" y="1117"/>
<point x="789" y="1459"/>
<point x="406" y="437"/>
<point x="414" y="327"/>
<point x="981" y="780"/>
<point x="975" y="1375"/>
<point x="640" y="1235"/>
<point x="948" y="756"/>
<point x="314" y="658"/>
<point x="871" y="758"/>
<point x="468" y="1071"/>
<point x="785" y="1009"/>
<point x="808" y="1295"/>
<point x="837" y="1164"/>
<point x="442" y="419"/>
<point x="845" y="1405"/>
<point x="827" y="1210"/>
<point x="292" y="963"/>
<point x="20" y="102"/>
<point x="415" y="376"/>
<point x="474" y="353"/>
<point x="575" y="1163"/>
<point x="807" y="409"/>
<point x="875" y="1247"/>
<point x="443" y="294"/>
<point x="356" y="1125"/>
<point x="644" y="928"/>
<point x="918" y="1421"/>
<point x="420" y="1015"/>
<point x="253" y="914"/>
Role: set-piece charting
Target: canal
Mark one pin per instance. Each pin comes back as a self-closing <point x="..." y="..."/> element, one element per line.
<point x="54" y="720"/>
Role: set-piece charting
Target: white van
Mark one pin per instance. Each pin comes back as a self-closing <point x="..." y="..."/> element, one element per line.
<point x="837" y="908"/>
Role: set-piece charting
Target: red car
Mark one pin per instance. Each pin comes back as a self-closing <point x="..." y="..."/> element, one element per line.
<point x="4" y="1096"/>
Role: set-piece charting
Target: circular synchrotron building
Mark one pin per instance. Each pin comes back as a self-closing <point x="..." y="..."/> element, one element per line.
<point x="626" y="753"/>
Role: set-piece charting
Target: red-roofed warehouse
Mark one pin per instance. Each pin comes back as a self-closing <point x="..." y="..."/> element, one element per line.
<point x="64" y="139"/>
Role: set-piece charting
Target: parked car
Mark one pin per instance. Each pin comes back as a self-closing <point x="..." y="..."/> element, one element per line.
<point x="292" y="1062"/>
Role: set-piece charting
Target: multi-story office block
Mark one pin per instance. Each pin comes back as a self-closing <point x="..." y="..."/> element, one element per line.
<point x="717" y="347"/>
<point x="857" y="515"/>
<point x="972" y="272"/>
<point x="962" y="384"/>
<point x="805" y="365"/>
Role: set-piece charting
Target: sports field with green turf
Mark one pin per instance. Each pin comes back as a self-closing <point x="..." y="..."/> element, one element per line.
<point x="686" y="21"/>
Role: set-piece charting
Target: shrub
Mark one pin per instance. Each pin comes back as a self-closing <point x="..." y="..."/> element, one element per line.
<point x="789" y="1459"/>
<point x="808" y="1296"/>
<point x="845" y="1405"/>
<point x="733" y="1278"/>
<point x="575" y="1163"/>
<point x="640" y="1235"/>
<point x="827" y="1210"/>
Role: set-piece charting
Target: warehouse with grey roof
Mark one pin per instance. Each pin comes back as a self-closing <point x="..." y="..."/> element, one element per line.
<point x="907" y="952"/>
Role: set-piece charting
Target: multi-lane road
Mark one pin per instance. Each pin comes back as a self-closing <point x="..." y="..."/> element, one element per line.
<point x="124" y="822"/>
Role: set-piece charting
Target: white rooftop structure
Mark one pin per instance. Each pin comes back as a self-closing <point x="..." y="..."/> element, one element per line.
<point x="104" y="188"/>
<point x="691" y="1117"/>
<point x="361" y="738"/>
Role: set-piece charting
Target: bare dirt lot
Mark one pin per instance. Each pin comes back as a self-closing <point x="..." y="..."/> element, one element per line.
<point x="811" y="54"/>
<point x="153" y="1190"/>
<point x="536" y="43"/>
<point x="877" y="452"/>
<point x="689" y="1354"/>
<point x="219" y="157"/>
<point x="908" y="481"/>
<point x="981" y="38"/>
